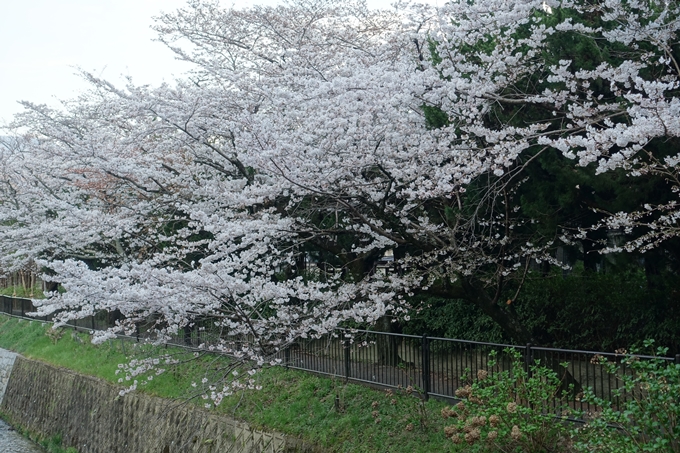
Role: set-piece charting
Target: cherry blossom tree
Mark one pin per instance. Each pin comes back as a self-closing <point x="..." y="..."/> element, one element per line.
<point x="332" y="132"/>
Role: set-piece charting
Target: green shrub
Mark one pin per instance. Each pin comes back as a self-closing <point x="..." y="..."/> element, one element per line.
<point x="452" y="318"/>
<point x="510" y="410"/>
<point x="54" y="445"/>
<point x="648" y="420"/>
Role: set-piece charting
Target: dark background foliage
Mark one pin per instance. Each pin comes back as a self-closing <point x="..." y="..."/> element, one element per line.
<point x="600" y="311"/>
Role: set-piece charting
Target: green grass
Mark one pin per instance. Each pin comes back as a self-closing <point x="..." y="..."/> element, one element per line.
<point x="50" y="445"/>
<point x="291" y="402"/>
<point x="53" y="445"/>
<point x="20" y="291"/>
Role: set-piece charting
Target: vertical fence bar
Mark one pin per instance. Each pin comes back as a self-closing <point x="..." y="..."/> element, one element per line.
<point x="599" y="368"/>
<point x="609" y="386"/>
<point x="313" y="349"/>
<point x="528" y="359"/>
<point x="426" y="367"/>
<point x="347" y="360"/>
<point x="446" y="353"/>
<point x="459" y="364"/>
<point x="587" y="366"/>
<point x="433" y="369"/>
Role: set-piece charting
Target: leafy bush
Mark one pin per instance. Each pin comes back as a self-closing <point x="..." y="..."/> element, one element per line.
<point x="452" y="318"/>
<point x="510" y="410"/>
<point x="649" y="418"/>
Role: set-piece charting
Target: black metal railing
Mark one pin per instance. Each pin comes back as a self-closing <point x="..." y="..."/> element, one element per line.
<point x="432" y="366"/>
<point x="437" y="367"/>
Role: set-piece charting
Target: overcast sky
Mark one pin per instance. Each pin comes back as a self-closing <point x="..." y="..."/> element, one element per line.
<point x="44" y="40"/>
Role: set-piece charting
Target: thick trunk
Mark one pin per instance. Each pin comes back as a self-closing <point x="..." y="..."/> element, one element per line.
<point x="51" y="286"/>
<point x="591" y="258"/>
<point x="653" y="267"/>
<point x="504" y="317"/>
<point x="513" y="328"/>
<point x="387" y="345"/>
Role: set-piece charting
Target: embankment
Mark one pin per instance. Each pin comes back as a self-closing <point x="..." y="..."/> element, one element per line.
<point x="89" y="415"/>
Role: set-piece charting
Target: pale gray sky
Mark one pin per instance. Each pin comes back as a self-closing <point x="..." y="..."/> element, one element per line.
<point x="42" y="41"/>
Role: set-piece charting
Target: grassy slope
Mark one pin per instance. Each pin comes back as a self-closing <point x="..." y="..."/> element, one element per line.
<point x="291" y="402"/>
<point x="20" y="291"/>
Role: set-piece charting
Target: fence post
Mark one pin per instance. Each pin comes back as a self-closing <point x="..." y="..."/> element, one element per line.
<point x="286" y="355"/>
<point x="426" y="367"/>
<point x="347" y="361"/>
<point x="677" y="359"/>
<point x="528" y="359"/>
<point x="23" y="311"/>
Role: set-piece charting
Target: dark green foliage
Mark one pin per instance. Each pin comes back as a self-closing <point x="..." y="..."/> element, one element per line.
<point x="452" y="318"/>
<point x="435" y="117"/>
<point x="600" y="311"/>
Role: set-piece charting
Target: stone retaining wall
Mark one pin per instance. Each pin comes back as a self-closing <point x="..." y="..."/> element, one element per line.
<point x="6" y="363"/>
<point x="89" y="415"/>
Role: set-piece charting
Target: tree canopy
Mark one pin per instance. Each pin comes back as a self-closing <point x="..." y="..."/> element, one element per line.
<point x="470" y="142"/>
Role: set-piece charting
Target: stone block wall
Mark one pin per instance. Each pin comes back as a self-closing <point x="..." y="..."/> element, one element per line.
<point x="89" y="415"/>
<point x="6" y="364"/>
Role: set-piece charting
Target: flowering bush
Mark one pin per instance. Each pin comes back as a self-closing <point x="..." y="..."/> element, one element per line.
<point x="510" y="410"/>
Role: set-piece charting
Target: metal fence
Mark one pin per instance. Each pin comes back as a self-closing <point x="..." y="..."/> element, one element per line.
<point x="17" y="306"/>
<point x="433" y="367"/>
<point x="437" y="367"/>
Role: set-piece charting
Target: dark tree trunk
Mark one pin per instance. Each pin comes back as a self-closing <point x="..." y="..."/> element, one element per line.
<point x="507" y="319"/>
<point x="187" y="335"/>
<point x="51" y="286"/>
<point x="590" y="256"/>
<point x="387" y="345"/>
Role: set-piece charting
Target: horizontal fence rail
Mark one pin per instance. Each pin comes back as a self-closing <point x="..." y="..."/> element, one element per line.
<point x="430" y="366"/>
